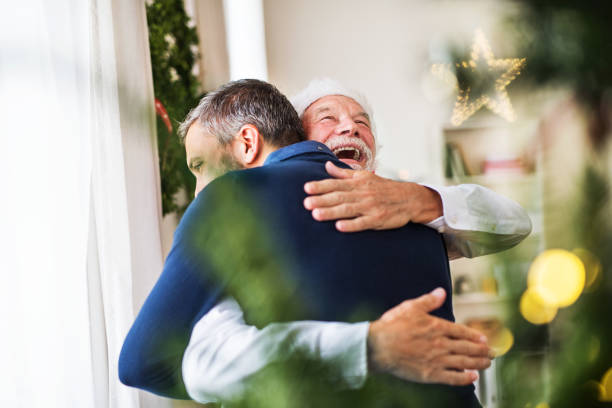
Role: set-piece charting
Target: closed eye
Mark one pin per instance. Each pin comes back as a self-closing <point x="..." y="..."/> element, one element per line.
<point x="196" y="166"/>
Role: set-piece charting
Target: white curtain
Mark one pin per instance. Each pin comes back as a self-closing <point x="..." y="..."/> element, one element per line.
<point x="79" y="219"/>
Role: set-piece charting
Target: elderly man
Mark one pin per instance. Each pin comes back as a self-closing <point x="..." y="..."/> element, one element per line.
<point x="475" y="221"/>
<point x="224" y="351"/>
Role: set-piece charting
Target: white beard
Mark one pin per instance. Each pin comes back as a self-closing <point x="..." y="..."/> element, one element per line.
<point x="335" y="142"/>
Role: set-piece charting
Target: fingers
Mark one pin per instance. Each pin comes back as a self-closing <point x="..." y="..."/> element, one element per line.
<point x="334" y="213"/>
<point x="465" y="362"/>
<point x="327" y="186"/>
<point x="326" y="200"/>
<point x="459" y="331"/>
<point x="356" y="224"/>
<point x="341" y="181"/>
<point x="469" y="348"/>
<point x="426" y="303"/>
<point x="338" y="172"/>
<point x="451" y="377"/>
<point x="430" y="301"/>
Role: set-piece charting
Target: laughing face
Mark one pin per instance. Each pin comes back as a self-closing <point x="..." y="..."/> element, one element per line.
<point x="344" y="127"/>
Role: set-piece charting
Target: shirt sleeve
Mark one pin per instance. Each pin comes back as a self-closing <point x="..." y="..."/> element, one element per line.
<point x="224" y="352"/>
<point x="477" y="221"/>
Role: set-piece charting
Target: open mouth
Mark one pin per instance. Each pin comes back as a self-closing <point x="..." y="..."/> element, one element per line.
<point x="351" y="150"/>
<point x="347" y="152"/>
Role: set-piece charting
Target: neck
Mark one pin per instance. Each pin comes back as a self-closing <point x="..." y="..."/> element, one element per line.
<point x="262" y="156"/>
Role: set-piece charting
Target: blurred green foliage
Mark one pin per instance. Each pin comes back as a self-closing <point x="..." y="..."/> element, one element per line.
<point x="569" y="43"/>
<point x="566" y="42"/>
<point x="173" y="45"/>
<point x="234" y="240"/>
<point x="555" y="363"/>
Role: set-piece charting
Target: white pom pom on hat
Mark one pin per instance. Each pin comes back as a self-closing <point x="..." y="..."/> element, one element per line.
<point x="320" y="87"/>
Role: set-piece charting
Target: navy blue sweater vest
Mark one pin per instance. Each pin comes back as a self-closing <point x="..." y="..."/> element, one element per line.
<point x="248" y="235"/>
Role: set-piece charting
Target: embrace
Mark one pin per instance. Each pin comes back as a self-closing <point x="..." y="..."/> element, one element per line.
<point x="275" y="262"/>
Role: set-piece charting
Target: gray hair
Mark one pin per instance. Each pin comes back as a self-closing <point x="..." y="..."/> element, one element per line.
<point x="320" y="87"/>
<point x="225" y="110"/>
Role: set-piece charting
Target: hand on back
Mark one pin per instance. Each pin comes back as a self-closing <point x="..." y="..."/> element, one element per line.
<point x="413" y="345"/>
<point x="361" y="200"/>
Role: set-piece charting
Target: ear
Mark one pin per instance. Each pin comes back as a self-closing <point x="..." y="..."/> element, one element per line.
<point x="247" y="145"/>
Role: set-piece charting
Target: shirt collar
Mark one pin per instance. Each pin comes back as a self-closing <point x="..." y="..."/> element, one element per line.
<point x="296" y="149"/>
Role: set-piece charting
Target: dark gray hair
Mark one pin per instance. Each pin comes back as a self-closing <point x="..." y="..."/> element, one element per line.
<point x="225" y="110"/>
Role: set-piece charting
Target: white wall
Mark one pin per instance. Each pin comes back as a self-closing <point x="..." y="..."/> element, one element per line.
<point x="382" y="48"/>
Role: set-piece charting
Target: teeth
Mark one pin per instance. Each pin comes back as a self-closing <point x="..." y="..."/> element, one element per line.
<point x="356" y="152"/>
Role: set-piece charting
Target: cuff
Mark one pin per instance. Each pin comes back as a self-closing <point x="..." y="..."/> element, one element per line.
<point x="354" y="359"/>
<point x="439" y="224"/>
<point x="458" y="213"/>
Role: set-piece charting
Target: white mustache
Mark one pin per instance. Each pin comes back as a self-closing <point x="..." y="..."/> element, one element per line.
<point x="335" y="142"/>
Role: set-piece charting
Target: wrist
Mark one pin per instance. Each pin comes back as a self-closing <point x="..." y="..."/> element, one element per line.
<point x="437" y="208"/>
<point x="426" y="203"/>
<point x="373" y="363"/>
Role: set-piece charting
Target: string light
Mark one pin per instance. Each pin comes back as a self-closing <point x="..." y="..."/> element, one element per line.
<point x="496" y="73"/>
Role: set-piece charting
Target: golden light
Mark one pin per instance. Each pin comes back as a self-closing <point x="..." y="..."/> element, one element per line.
<point x="595" y="389"/>
<point x="500" y="72"/>
<point x="556" y="277"/>
<point x="542" y="405"/>
<point x="501" y="341"/>
<point x="606" y="383"/>
<point x="534" y="311"/>
<point x="592" y="267"/>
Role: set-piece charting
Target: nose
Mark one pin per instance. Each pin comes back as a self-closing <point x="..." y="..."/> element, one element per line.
<point x="347" y="127"/>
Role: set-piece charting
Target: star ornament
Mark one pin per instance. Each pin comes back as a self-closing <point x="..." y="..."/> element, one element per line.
<point x="481" y="81"/>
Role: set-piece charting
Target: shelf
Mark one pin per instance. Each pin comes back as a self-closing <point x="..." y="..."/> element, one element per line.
<point x="479" y="305"/>
<point x="496" y="179"/>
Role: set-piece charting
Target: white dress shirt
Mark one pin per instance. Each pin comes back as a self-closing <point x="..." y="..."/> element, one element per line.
<point x="224" y="351"/>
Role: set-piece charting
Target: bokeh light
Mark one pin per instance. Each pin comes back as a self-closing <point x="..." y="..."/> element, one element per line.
<point x="592" y="267"/>
<point x="534" y="311"/>
<point x="556" y="277"/>
<point x="540" y="405"/>
<point x="595" y="390"/>
<point x="501" y="341"/>
<point x="606" y="384"/>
